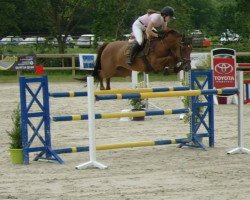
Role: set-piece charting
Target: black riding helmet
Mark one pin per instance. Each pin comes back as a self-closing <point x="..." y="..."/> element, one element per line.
<point x="168" y="11"/>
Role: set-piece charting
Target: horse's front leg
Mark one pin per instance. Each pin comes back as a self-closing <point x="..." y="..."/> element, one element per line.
<point x="162" y="63"/>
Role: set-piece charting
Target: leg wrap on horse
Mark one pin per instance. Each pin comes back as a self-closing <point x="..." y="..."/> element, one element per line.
<point x="134" y="49"/>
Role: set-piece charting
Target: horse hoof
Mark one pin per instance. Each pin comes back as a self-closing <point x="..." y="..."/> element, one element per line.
<point x="166" y="71"/>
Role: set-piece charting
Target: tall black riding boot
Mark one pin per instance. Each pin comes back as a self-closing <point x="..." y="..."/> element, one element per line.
<point x="134" y="49"/>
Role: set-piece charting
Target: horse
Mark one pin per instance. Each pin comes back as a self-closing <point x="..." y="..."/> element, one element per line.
<point x="168" y="51"/>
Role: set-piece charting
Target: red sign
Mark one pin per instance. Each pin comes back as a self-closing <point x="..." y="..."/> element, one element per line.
<point x="39" y="69"/>
<point x="224" y="72"/>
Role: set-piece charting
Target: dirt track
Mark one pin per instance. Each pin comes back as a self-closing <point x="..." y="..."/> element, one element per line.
<point x="159" y="172"/>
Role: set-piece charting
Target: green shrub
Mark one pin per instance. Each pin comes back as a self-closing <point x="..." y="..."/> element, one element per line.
<point x="15" y="134"/>
<point x="138" y="103"/>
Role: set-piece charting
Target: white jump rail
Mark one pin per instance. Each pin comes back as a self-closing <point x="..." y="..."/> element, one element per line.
<point x="91" y="126"/>
<point x="240" y="148"/>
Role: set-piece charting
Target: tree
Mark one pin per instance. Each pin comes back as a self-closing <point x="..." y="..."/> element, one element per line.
<point x="113" y="18"/>
<point x="243" y="17"/>
<point x="61" y="17"/>
<point x="182" y="13"/>
<point x="8" y="18"/>
<point x="227" y="16"/>
<point x="204" y="15"/>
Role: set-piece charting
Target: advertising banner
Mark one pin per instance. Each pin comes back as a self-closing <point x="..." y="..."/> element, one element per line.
<point x="223" y="62"/>
<point x="224" y="72"/>
<point x="87" y="61"/>
<point x="17" y="62"/>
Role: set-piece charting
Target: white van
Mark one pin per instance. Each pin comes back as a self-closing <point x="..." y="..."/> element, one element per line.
<point x="33" y="40"/>
<point x="14" y="40"/>
<point x="85" y="40"/>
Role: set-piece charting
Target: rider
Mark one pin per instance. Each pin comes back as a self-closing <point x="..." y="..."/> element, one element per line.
<point x="147" y="23"/>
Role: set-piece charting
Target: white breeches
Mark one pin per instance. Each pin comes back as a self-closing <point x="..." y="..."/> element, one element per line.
<point x="138" y="30"/>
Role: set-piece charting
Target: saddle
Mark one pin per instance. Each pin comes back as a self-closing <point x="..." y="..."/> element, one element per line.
<point x="142" y="53"/>
<point x="144" y="47"/>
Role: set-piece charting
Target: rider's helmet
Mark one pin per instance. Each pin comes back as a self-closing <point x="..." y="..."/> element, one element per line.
<point x="168" y="11"/>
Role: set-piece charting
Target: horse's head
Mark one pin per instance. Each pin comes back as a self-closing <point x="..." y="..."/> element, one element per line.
<point x="185" y="53"/>
<point x="180" y="47"/>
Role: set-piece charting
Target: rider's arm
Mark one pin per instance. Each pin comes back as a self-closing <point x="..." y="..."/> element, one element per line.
<point x="149" y="31"/>
<point x="165" y="26"/>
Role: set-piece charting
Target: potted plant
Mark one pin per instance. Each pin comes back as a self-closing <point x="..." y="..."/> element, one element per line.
<point x="138" y="105"/>
<point x="15" y="136"/>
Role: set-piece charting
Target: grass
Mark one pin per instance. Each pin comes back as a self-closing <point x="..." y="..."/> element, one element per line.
<point x="40" y="49"/>
<point x="59" y="76"/>
<point x="66" y="76"/>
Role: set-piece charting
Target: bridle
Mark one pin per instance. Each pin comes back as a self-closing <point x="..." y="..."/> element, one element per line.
<point x="182" y="43"/>
<point x="185" y="62"/>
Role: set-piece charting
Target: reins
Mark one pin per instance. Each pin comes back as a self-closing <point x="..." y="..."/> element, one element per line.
<point x="181" y="58"/>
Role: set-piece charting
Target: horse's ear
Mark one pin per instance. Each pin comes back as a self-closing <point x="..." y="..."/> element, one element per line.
<point x="188" y="40"/>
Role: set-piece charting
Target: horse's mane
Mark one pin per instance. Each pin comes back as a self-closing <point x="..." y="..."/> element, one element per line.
<point x="173" y="32"/>
<point x="169" y="31"/>
<point x="185" y="39"/>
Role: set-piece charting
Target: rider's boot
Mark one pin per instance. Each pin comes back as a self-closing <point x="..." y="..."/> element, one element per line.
<point x="134" y="49"/>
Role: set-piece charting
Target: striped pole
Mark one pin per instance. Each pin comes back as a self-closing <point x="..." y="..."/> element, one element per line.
<point x="123" y="145"/>
<point x="246" y="82"/>
<point x="244" y="65"/>
<point x="117" y="91"/>
<point x="168" y="94"/>
<point x="68" y="94"/>
<point x="246" y="97"/>
<point x="121" y="114"/>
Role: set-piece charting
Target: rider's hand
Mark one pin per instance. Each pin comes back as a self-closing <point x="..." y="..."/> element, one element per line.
<point x="161" y="35"/>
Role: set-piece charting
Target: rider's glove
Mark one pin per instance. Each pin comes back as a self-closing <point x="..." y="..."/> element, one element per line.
<point x="161" y="35"/>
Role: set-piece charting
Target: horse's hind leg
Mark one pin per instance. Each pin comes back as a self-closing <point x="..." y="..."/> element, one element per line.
<point x="108" y="84"/>
<point x="101" y="84"/>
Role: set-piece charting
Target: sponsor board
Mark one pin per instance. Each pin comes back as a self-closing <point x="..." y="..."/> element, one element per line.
<point x="224" y="72"/>
<point x="87" y="61"/>
<point x="223" y="62"/>
<point x="17" y="62"/>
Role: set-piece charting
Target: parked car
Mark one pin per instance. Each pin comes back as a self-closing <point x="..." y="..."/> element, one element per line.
<point x="86" y="40"/>
<point x="199" y="39"/>
<point x="229" y="36"/>
<point x="33" y="40"/>
<point x="12" y="40"/>
<point x="69" y="41"/>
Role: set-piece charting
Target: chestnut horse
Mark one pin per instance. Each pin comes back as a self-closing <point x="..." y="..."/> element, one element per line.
<point x="168" y="51"/>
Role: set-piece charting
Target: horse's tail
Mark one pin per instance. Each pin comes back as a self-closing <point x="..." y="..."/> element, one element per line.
<point x="98" y="66"/>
